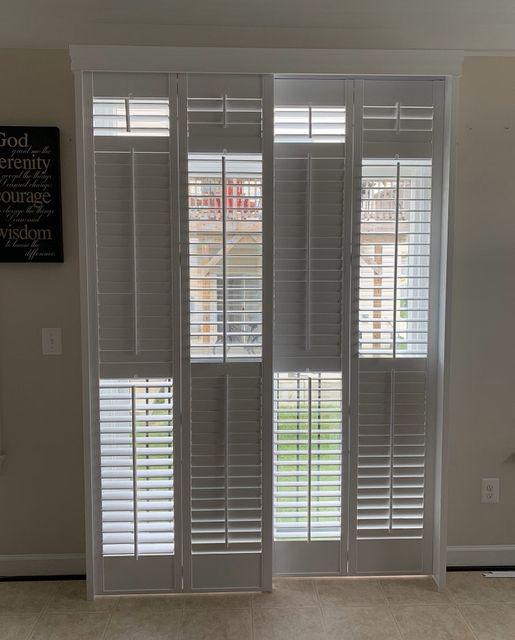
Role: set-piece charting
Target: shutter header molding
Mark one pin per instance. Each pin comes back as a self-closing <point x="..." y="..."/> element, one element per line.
<point x="263" y="60"/>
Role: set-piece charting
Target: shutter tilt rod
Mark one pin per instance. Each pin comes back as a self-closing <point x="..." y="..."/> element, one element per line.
<point x="224" y="265"/>
<point x="310" y="391"/>
<point x="396" y="256"/>
<point x="226" y="459"/>
<point x="134" y="468"/>
<point x="308" y="255"/>
<point x="224" y="106"/>
<point x="392" y="450"/>
<point x="128" y="114"/>
<point x="134" y="250"/>
<point x="397" y="117"/>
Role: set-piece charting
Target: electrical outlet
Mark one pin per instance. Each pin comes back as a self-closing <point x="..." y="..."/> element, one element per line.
<point x="51" y="340"/>
<point x="490" y="490"/>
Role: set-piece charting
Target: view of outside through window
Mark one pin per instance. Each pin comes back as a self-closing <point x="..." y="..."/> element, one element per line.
<point x="136" y="423"/>
<point x="394" y="258"/>
<point x="225" y="246"/>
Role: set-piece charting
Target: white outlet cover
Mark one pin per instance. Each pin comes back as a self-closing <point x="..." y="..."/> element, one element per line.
<point x="51" y="341"/>
<point x="490" y="490"/>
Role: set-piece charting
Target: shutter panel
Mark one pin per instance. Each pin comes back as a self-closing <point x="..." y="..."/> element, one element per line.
<point x="226" y="215"/>
<point x="393" y="375"/>
<point x="309" y="224"/>
<point x="310" y="231"/>
<point x="134" y="244"/>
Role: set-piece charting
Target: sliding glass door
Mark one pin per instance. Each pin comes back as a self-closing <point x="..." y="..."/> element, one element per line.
<point x="262" y="286"/>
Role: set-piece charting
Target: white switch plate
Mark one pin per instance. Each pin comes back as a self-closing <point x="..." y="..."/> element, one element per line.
<point x="51" y="342"/>
<point x="490" y="490"/>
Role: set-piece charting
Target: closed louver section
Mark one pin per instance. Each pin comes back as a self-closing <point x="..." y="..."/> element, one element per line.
<point x="391" y="449"/>
<point x="134" y="242"/>
<point x="308" y="261"/>
<point x="398" y="118"/>
<point x="225" y="113"/>
<point x="226" y="470"/>
<point x="309" y="226"/>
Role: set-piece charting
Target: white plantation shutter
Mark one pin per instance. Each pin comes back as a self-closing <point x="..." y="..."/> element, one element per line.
<point x="134" y="244"/>
<point x="309" y="224"/>
<point x="393" y="420"/>
<point x="309" y="337"/>
<point x="225" y="245"/>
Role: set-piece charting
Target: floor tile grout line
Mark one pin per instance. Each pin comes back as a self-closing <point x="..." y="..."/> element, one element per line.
<point x="467" y="623"/>
<point x="252" y="634"/>
<point x="391" y="612"/>
<point x="39" y="617"/>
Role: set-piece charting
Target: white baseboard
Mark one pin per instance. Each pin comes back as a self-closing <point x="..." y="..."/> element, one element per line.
<point x="42" y="565"/>
<point x="481" y="556"/>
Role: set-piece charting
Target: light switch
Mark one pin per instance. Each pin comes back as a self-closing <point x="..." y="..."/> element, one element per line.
<point x="52" y="342"/>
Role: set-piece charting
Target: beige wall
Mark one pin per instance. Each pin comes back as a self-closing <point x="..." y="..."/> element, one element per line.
<point x="482" y="412"/>
<point x="41" y="496"/>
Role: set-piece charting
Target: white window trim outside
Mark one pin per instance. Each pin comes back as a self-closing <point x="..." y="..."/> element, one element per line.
<point x="357" y="63"/>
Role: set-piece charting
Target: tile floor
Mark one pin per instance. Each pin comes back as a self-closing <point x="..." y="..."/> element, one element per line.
<point x="472" y="608"/>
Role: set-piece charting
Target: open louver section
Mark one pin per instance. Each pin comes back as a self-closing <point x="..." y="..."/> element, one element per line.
<point x="307" y="456"/>
<point x="225" y="251"/>
<point x="136" y="431"/>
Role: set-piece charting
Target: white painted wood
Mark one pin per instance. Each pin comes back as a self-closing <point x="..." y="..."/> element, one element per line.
<point x="59" y="564"/>
<point x="441" y="460"/>
<point x="234" y="60"/>
<point x="480" y="556"/>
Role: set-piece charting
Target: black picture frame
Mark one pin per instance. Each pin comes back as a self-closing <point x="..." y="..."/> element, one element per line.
<point x="30" y="195"/>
